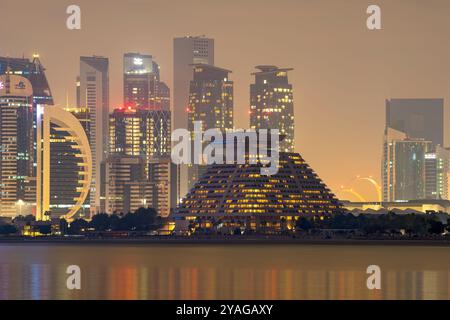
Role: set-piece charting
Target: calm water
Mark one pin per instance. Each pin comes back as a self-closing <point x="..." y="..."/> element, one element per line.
<point x="223" y="272"/>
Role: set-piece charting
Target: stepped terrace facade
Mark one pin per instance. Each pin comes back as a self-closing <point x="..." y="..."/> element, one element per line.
<point x="233" y="198"/>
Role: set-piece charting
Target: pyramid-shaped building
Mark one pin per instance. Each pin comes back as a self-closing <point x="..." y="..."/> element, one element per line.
<point x="237" y="196"/>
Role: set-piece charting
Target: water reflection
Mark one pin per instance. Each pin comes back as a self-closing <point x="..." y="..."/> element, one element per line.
<point x="223" y="272"/>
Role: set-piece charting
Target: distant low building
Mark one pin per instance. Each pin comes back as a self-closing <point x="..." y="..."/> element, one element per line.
<point x="399" y="207"/>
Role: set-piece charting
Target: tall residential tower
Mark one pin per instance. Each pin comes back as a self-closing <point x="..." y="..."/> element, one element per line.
<point x="414" y="162"/>
<point x="94" y="95"/>
<point x="142" y="86"/>
<point x="272" y="103"/>
<point x="186" y="52"/>
<point x="16" y="142"/>
<point x="211" y="102"/>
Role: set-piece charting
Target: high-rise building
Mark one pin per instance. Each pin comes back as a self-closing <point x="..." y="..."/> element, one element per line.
<point x="210" y="98"/>
<point x="140" y="132"/>
<point x="16" y="142"/>
<point x="145" y="133"/>
<point x="413" y="137"/>
<point x="164" y="96"/>
<point x="231" y="197"/>
<point x="127" y="187"/>
<point x="143" y="88"/>
<point x="186" y="52"/>
<point x="82" y="114"/>
<point x="64" y="171"/>
<point x="418" y="118"/>
<point x="94" y="95"/>
<point x="138" y="75"/>
<point x="272" y="103"/>
<point x="127" y="131"/>
<point x="64" y="164"/>
<point x="159" y="179"/>
<point x="437" y="171"/>
<point x="142" y="127"/>
<point x="403" y="170"/>
<point x="66" y="174"/>
<point x="211" y="102"/>
<point x="35" y="73"/>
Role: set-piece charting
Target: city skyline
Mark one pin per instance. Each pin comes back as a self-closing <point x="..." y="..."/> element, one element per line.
<point x="378" y="68"/>
<point x="215" y="153"/>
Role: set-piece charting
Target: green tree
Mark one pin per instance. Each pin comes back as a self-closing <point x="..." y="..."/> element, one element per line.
<point x="7" y="229"/>
<point x="101" y="222"/>
<point x="147" y="219"/>
<point x="77" y="226"/>
<point x="45" y="229"/>
<point x="114" y="221"/>
<point x="435" y="227"/>
<point x="63" y="226"/>
<point x="28" y="219"/>
<point x="303" y="224"/>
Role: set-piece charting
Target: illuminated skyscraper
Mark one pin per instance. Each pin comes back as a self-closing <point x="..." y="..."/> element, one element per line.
<point x="186" y="52"/>
<point x="159" y="180"/>
<point x="412" y="140"/>
<point x="127" y="132"/>
<point x="143" y="88"/>
<point x="35" y="73"/>
<point x="145" y="134"/>
<point x="272" y="103"/>
<point x="66" y="167"/>
<point x="136" y="132"/>
<point x="211" y="102"/>
<point x="94" y="95"/>
<point x="143" y="126"/>
<point x="138" y="75"/>
<point x="437" y="171"/>
<point x="403" y="170"/>
<point x="16" y="142"/>
<point x="62" y="145"/>
<point x="127" y="187"/>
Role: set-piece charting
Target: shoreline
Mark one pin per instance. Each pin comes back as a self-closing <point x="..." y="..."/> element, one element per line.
<point x="229" y="241"/>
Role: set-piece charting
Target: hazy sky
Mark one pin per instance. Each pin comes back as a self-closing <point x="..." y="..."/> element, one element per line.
<point x="343" y="72"/>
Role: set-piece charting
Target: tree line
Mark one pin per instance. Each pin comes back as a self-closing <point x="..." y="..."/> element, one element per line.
<point x="390" y="223"/>
<point x="143" y="219"/>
